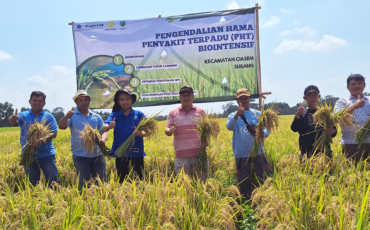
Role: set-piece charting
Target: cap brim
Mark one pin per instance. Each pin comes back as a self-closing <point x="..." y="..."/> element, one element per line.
<point x="248" y="95"/>
<point x="312" y="91"/>
<point x="75" y="97"/>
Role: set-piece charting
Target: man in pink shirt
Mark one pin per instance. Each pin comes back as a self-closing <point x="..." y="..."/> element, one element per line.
<point x="186" y="141"/>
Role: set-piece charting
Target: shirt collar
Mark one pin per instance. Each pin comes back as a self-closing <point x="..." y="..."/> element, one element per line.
<point x="78" y="111"/>
<point x="192" y="107"/>
<point x="30" y="112"/>
<point x="120" y="113"/>
<point x="351" y="97"/>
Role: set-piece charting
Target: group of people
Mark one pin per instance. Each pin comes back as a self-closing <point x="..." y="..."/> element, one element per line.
<point x="356" y="104"/>
<point x="181" y="123"/>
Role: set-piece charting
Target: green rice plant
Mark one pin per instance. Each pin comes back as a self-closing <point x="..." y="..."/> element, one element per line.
<point x="91" y="137"/>
<point x="267" y="120"/>
<point x="37" y="134"/>
<point x="363" y="133"/>
<point x="147" y="124"/>
<point x="325" y="118"/>
<point x="209" y="127"/>
<point x="84" y="80"/>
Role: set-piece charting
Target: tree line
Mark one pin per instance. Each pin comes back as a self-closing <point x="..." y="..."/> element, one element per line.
<point x="6" y="109"/>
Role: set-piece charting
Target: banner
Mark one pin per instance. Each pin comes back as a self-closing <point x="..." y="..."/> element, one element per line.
<point x="214" y="52"/>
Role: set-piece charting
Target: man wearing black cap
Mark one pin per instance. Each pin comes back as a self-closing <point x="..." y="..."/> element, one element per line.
<point x="303" y="123"/>
<point x="186" y="141"/>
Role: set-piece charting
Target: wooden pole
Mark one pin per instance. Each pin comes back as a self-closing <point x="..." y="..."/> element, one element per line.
<point x="258" y="57"/>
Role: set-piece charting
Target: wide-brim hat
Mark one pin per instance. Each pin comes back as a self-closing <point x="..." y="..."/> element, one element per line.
<point x="81" y="93"/>
<point x="133" y="96"/>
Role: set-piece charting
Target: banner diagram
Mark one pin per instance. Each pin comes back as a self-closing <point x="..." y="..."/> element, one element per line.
<point x="214" y="52"/>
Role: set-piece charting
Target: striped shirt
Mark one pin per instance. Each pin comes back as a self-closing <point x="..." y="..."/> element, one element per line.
<point x="361" y="115"/>
<point x="186" y="139"/>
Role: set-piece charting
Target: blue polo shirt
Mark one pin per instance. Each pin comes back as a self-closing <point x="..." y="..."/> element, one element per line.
<point x="26" y="119"/>
<point x="242" y="138"/>
<point x="125" y="126"/>
<point x="76" y="124"/>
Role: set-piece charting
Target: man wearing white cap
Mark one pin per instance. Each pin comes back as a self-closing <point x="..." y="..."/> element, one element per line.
<point x="86" y="163"/>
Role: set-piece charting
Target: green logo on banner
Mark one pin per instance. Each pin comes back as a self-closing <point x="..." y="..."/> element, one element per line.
<point x="123" y="23"/>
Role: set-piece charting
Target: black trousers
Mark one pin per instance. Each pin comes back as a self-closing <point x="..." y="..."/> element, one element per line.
<point x="356" y="154"/>
<point x="244" y="167"/>
<point x="123" y="166"/>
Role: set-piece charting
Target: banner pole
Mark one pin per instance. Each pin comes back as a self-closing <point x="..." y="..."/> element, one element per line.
<point x="74" y="45"/>
<point x="258" y="57"/>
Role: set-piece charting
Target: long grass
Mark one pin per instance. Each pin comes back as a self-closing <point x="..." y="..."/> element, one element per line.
<point x="316" y="194"/>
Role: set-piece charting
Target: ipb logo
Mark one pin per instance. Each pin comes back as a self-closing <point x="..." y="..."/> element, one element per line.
<point x="78" y="26"/>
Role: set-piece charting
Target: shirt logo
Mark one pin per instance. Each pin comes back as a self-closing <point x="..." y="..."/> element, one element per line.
<point x="94" y="118"/>
<point x="135" y="117"/>
<point x="244" y="130"/>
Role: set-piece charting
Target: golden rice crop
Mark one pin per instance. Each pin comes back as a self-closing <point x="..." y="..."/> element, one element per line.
<point x="91" y="137"/>
<point x="37" y="133"/>
<point x="363" y="133"/>
<point x="269" y="119"/>
<point x="209" y="127"/>
<point x="147" y="124"/>
<point x="325" y="118"/>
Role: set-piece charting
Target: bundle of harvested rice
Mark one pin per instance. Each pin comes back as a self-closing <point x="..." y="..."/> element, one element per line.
<point x="209" y="127"/>
<point x="363" y="133"/>
<point x="269" y="119"/>
<point x="326" y="118"/>
<point x="147" y="125"/>
<point x="37" y="134"/>
<point x="91" y="137"/>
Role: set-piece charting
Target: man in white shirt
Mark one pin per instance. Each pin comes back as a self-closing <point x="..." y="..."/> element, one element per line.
<point x="359" y="106"/>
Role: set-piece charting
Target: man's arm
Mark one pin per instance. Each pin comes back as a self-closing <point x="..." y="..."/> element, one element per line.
<point x="13" y="119"/>
<point x="110" y="123"/>
<point x="357" y="105"/>
<point x="171" y="125"/>
<point x="63" y="122"/>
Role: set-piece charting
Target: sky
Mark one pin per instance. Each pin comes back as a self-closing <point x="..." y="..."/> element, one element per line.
<point x="302" y="43"/>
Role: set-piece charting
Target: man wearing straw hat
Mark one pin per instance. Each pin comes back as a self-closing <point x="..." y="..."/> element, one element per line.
<point x="45" y="153"/>
<point x="242" y="123"/>
<point x="87" y="163"/>
<point x="186" y="141"/>
<point x="359" y="105"/>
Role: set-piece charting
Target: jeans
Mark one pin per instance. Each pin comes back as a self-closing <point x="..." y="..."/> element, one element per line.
<point x="49" y="168"/>
<point x="87" y="167"/>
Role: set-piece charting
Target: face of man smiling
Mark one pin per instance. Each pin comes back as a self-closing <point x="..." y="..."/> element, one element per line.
<point x="356" y="87"/>
<point x="37" y="103"/>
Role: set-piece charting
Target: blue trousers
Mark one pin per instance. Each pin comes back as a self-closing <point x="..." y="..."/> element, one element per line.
<point x="87" y="167"/>
<point x="48" y="167"/>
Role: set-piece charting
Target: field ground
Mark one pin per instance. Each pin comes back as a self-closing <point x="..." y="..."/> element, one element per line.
<point x="317" y="194"/>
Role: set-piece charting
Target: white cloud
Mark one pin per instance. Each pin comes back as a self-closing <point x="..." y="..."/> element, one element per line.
<point x="57" y="82"/>
<point x="306" y="31"/>
<point x="285" y="32"/>
<point x="4" y="56"/>
<point x="296" y="22"/>
<point x="328" y="42"/>
<point x="232" y="5"/>
<point x="273" y="21"/>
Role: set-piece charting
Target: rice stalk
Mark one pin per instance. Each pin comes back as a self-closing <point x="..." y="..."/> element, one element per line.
<point x="91" y="137"/>
<point x="326" y="118"/>
<point x="363" y="133"/>
<point x="269" y="119"/>
<point x="209" y="127"/>
<point x="147" y="125"/>
<point x="36" y="131"/>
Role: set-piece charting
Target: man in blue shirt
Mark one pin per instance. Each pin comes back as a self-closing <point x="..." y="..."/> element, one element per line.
<point x="242" y="123"/>
<point x="86" y="163"/>
<point x="45" y="153"/>
<point x="123" y="120"/>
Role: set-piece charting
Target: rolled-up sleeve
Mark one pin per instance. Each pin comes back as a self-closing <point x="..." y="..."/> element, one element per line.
<point x="170" y="120"/>
<point x="109" y="119"/>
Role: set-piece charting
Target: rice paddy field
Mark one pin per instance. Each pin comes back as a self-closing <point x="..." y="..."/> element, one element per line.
<point x="316" y="194"/>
